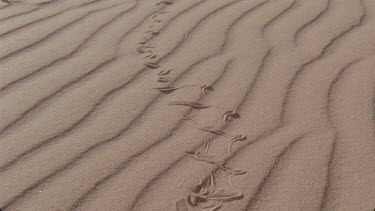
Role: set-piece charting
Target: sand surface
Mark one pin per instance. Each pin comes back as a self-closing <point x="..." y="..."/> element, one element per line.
<point x="262" y="105"/>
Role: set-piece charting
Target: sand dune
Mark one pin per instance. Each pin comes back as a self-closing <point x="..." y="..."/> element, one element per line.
<point x="185" y="104"/>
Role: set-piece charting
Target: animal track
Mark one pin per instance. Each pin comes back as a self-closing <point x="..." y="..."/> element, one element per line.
<point x="164" y="72"/>
<point x="235" y="139"/>
<point x="214" y="131"/>
<point x="229" y="114"/>
<point x="166" y="89"/>
<point x="167" y="2"/>
<point x="192" y="104"/>
<point x="204" y="195"/>
<point x="206" y="87"/>
<point x="152" y="65"/>
<point x="164" y="79"/>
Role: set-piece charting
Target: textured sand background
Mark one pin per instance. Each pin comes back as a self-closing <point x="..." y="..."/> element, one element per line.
<point x="82" y="126"/>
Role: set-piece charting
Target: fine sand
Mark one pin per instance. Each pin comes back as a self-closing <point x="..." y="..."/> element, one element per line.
<point x="156" y="105"/>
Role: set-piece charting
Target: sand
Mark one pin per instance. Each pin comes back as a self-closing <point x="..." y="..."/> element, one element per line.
<point x="155" y="105"/>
